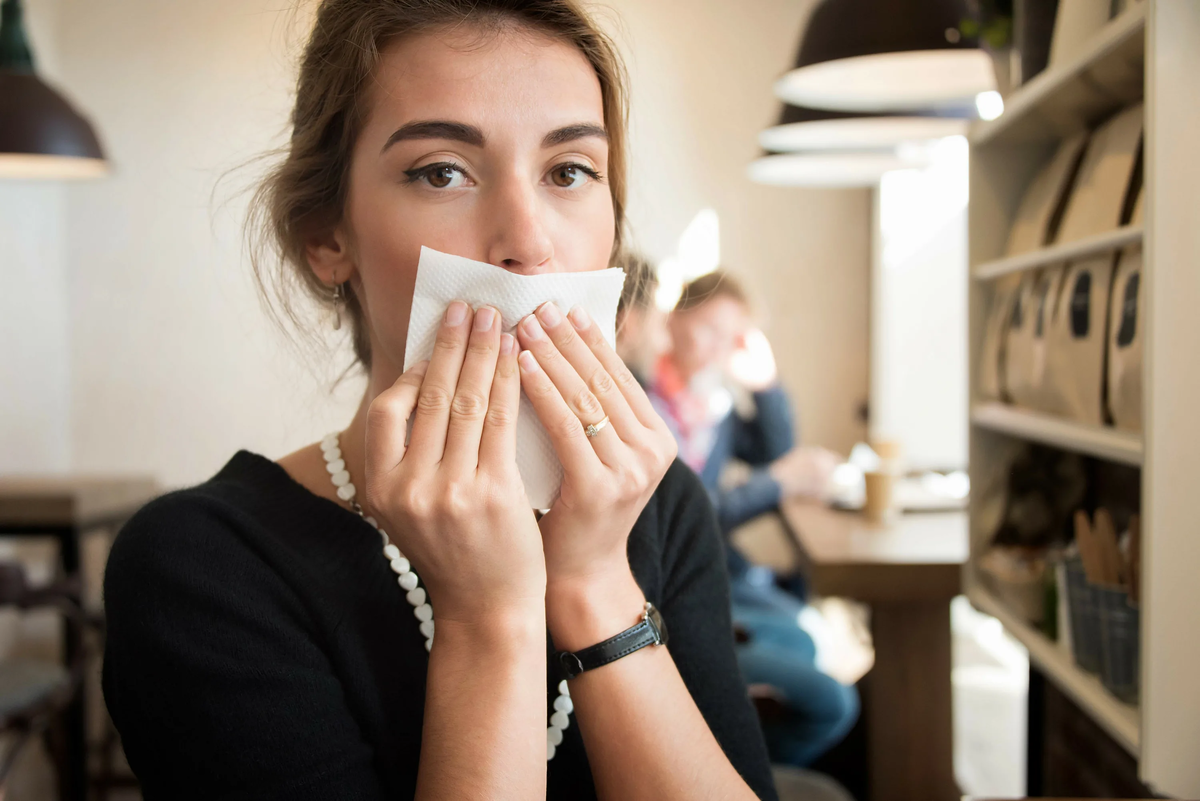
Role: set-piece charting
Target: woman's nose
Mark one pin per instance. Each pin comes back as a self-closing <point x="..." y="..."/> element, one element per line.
<point x="518" y="236"/>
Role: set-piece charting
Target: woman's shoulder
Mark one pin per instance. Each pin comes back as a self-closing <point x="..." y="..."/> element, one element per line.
<point x="678" y="525"/>
<point x="195" y="533"/>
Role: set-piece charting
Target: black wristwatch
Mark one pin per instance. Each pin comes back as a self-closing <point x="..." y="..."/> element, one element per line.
<point x="651" y="630"/>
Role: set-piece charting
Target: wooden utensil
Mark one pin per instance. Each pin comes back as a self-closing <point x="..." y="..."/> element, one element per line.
<point x="1083" y="541"/>
<point x="1135" y="559"/>
<point x="1104" y="535"/>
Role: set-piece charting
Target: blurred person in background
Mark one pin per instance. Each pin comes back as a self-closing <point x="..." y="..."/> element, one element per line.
<point x="641" y="325"/>
<point x="715" y="354"/>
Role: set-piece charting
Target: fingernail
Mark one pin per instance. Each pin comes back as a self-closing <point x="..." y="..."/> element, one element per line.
<point x="527" y="362"/>
<point x="579" y="318"/>
<point x="507" y="343"/>
<point x="484" y="318"/>
<point x="533" y="328"/>
<point x="456" y="313"/>
<point x="549" y="314"/>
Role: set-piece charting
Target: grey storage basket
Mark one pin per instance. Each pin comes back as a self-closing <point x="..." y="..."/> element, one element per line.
<point x="1083" y="606"/>
<point x="1120" y="630"/>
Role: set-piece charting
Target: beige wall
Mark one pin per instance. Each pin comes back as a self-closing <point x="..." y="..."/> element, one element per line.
<point x="701" y="72"/>
<point x="172" y="364"/>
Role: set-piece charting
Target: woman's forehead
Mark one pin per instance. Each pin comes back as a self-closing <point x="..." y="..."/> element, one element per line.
<point x="497" y="79"/>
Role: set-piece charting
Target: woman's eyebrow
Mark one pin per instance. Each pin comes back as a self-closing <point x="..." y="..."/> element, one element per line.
<point x="570" y="133"/>
<point x="436" y="129"/>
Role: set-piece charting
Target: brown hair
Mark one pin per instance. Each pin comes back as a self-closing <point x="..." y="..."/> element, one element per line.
<point x="717" y="284"/>
<point x="306" y="192"/>
<point x="640" y="283"/>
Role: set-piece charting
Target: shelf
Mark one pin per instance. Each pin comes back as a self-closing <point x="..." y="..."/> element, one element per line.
<point x="1057" y="254"/>
<point x="1077" y="94"/>
<point x="1099" y="441"/>
<point x="1120" y="720"/>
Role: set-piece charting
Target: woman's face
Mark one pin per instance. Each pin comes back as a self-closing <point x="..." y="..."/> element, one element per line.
<point x="492" y="148"/>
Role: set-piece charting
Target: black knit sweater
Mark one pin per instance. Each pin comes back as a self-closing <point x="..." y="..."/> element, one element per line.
<point x="258" y="646"/>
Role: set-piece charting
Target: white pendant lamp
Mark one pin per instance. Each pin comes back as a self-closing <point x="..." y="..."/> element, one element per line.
<point x="829" y="170"/>
<point x="805" y="129"/>
<point x="886" y="55"/>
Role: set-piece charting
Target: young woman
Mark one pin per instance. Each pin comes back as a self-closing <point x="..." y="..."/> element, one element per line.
<point x="263" y="642"/>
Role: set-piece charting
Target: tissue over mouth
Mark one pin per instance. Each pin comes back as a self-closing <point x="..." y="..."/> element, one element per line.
<point x="443" y="278"/>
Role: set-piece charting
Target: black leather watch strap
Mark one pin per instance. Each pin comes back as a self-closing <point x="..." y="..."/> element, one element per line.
<point x="651" y="630"/>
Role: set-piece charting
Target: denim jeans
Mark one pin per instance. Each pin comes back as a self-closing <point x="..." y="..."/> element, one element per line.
<point x="820" y="710"/>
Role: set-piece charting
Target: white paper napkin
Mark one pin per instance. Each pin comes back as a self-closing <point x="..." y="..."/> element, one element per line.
<point x="442" y="278"/>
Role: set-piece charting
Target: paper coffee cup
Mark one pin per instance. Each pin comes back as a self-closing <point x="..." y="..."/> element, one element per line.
<point x="880" y="504"/>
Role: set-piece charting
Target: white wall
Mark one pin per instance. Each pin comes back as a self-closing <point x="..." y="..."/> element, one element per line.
<point x="35" y="360"/>
<point x="174" y="364"/>
<point x="171" y="363"/>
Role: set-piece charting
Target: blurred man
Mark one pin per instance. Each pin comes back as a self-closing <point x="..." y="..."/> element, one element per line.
<point x="715" y="353"/>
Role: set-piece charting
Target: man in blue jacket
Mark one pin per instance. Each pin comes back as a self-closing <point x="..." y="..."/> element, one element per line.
<point x="712" y="340"/>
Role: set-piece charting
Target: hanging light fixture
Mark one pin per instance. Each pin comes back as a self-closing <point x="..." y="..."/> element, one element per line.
<point x="838" y="149"/>
<point x="805" y="129"/>
<point x="830" y="170"/>
<point x="41" y="134"/>
<point x="887" y="55"/>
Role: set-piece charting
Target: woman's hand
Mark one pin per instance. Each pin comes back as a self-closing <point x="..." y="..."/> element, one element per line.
<point x="453" y="499"/>
<point x="574" y="378"/>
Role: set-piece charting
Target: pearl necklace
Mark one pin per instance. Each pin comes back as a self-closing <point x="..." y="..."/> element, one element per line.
<point x="415" y="594"/>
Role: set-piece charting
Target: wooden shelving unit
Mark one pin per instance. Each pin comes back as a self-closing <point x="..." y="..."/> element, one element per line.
<point x="1100" y="441"/>
<point x="1119" y="719"/>
<point x="1057" y="254"/>
<point x="1150" y="53"/>
<point x="1071" y="96"/>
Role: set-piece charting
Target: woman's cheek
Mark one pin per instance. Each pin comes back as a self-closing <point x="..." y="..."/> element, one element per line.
<point x="586" y="233"/>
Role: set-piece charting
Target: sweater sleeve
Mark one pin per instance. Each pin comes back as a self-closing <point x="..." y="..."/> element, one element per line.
<point x="770" y="433"/>
<point x="211" y="675"/>
<point x="700" y="632"/>
<point x="759" y="494"/>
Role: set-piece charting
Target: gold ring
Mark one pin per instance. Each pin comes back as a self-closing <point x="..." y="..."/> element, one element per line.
<point x="595" y="428"/>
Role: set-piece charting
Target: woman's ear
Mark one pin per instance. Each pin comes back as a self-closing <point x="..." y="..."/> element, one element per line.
<point x="329" y="256"/>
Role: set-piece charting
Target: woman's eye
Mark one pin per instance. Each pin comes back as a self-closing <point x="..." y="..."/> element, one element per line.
<point x="572" y="176"/>
<point x="442" y="175"/>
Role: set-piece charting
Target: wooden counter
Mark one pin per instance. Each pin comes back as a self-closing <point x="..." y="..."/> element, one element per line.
<point x="907" y="572"/>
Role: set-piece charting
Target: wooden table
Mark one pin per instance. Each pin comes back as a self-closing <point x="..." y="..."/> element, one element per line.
<point x="907" y="573"/>
<point x="65" y="508"/>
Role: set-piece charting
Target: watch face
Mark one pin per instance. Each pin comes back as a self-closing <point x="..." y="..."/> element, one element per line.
<point x="656" y="620"/>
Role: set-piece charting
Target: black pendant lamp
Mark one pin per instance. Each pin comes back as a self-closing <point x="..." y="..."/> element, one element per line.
<point x="887" y="55"/>
<point x="41" y="134"/>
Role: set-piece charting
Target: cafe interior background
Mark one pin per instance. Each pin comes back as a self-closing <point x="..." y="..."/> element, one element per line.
<point x="913" y="234"/>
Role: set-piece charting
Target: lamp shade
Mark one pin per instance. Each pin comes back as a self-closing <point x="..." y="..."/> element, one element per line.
<point x="828" y="170"/>
<point x="886" y="55"/>
<point x="41" y="134"/>
<point x="805" y="129"/>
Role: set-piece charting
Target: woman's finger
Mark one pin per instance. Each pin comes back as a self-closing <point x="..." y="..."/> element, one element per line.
<point x="498" y="446"/>
<point x="428" y="441"/>
<point x="553" y="341"/>
<point x="470" y="403"/>
<point x="566" y="432"/>
<point x="621" y="375"/>
<point x="387" y="421"/>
